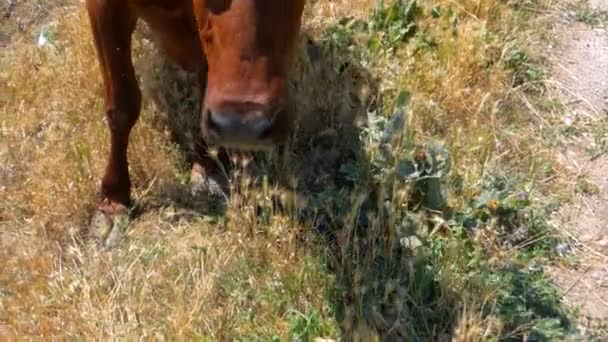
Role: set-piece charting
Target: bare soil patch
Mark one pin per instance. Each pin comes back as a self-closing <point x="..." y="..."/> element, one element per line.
<point x="580" y="80"/>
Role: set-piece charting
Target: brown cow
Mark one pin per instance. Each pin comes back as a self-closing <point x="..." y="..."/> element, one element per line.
<point x="244" y="49"/>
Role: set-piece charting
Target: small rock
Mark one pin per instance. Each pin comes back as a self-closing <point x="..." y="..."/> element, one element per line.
<point x="411" y="242"/>
<point x="603" y="242"/>
<point x="563" y="249"/>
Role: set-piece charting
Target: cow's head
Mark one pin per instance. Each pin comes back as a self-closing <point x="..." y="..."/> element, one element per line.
<point x="249" y="46"/>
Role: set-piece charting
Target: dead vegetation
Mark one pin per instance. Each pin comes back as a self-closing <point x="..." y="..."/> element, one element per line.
<point x="257" y="268"/>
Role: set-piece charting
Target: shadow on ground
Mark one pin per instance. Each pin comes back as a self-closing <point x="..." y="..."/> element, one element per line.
<point x="386" y="286"/>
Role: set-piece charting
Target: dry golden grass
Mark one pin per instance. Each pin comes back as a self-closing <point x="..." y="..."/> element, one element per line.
<point x="183" y="271"/>
<point x="54" y="149"/>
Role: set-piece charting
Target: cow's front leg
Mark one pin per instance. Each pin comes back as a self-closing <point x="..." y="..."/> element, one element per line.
<point x="112" y="24"/>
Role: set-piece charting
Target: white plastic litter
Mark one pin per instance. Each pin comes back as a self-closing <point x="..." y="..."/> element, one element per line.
<point x="42" y="39"/>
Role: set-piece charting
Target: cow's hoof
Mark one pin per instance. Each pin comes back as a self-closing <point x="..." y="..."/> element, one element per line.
<point x="108" y="228"/>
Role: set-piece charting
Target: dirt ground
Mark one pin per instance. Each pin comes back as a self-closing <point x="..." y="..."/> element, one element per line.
<point x="580" y="80"/>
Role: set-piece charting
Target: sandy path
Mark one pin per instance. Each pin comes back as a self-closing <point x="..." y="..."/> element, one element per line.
<point x="580" y="79"/>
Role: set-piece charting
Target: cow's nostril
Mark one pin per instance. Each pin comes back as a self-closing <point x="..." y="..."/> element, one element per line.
<point x="266" y="131"/>
<point x="250" y="128"/>
<point x="211" y="123"/>
<point x="220" y="122"/>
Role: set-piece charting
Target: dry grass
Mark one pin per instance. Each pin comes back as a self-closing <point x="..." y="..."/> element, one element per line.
<point x="187" y="271"/>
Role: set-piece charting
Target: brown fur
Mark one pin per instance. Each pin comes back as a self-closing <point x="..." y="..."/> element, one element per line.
<point x="242" y="49"/>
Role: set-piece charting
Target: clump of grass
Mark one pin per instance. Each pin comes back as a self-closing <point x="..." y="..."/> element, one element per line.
<point x="406" y="115"/>
<point x="498" y="219"/>
<point x="584" y="12"/>
<point x="402" y="273"/>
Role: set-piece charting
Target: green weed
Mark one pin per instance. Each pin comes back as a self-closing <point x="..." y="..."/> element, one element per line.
<point x="584" y="12"/>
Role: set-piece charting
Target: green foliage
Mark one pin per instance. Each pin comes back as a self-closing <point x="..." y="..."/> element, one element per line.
<point x="304" y="327"/>
<point x="388" y="27"/>
<point x="392" y="268"/>
<point x="525" y="71"/>
<point x="392" y="25"/>
<point x="530" y="301"/>
<point x="586" y="13"/>
<point x="404" y="271"/>
<point x="600" y="138"/>
<point x="585" y="187"/>
<point x="524" y="300"/>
